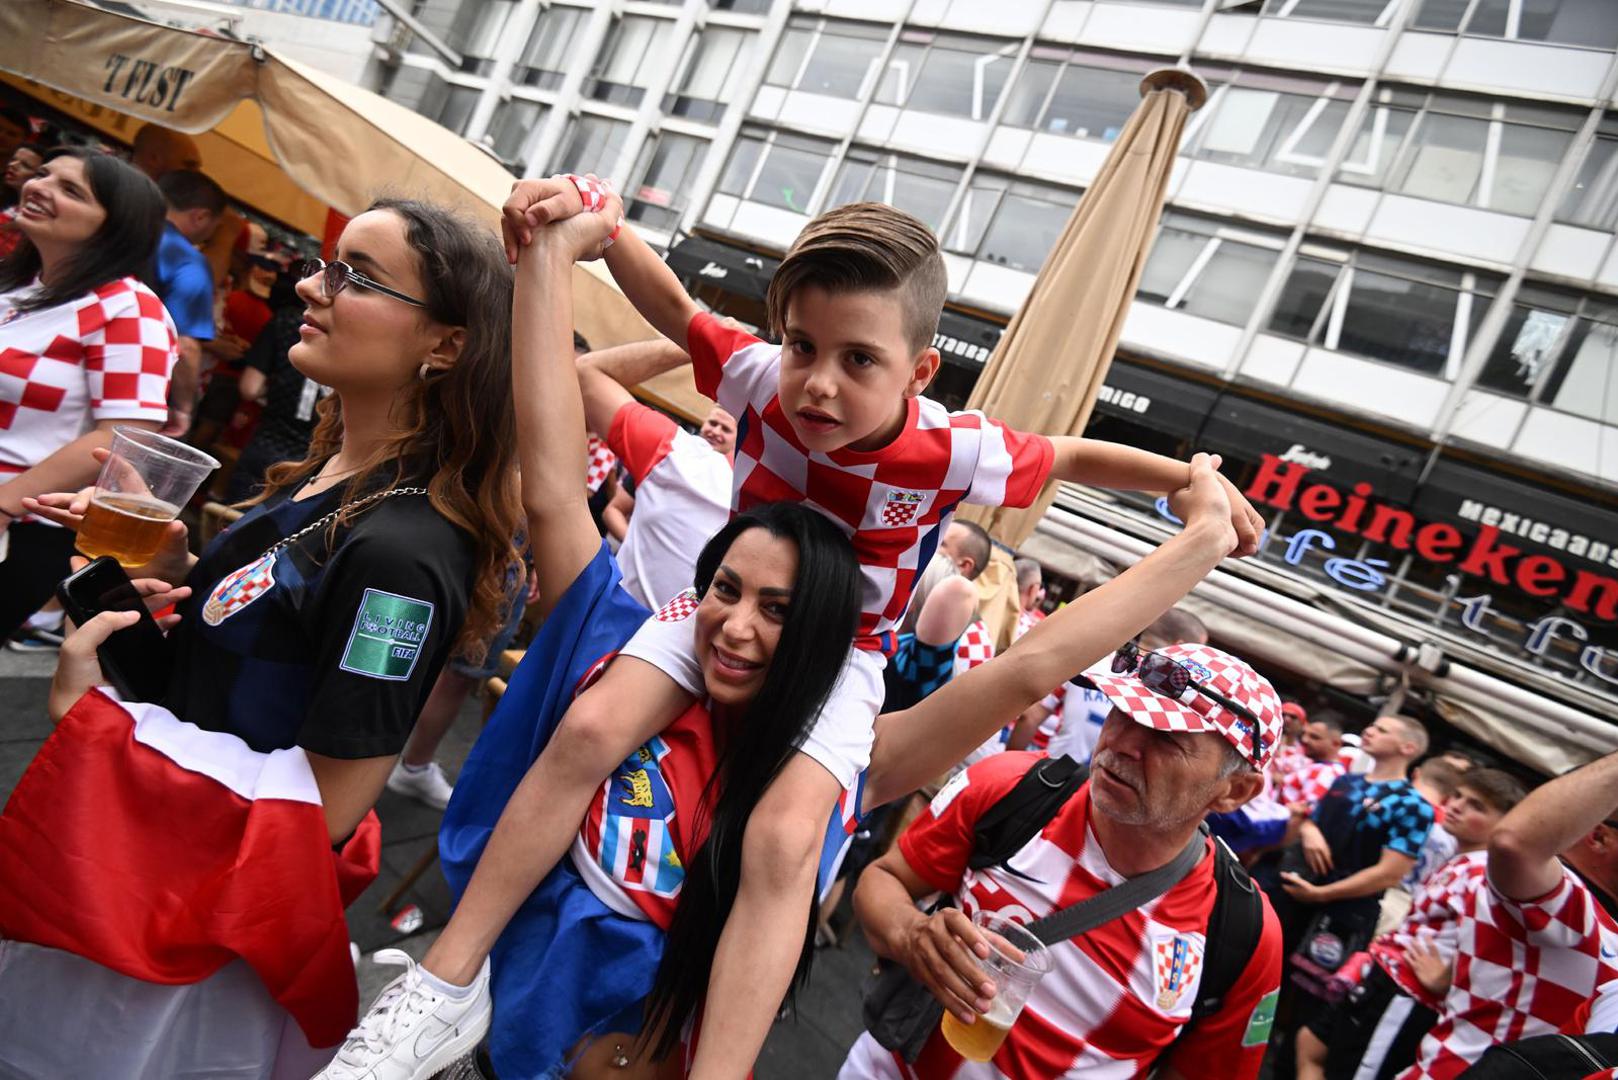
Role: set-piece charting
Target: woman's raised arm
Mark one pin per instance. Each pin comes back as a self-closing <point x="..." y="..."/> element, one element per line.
<point x="920" y="743"/>
<point x="545" y="395"/>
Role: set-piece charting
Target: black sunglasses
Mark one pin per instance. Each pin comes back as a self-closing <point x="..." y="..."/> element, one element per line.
<point x="337" y="275"/>
<point x="1167" y="676"/>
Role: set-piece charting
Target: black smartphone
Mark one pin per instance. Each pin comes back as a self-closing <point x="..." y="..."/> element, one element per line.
<point x="136" y="660"/>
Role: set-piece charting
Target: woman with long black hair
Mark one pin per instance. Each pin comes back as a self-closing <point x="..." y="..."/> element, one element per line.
<point x="605" y="966"/>
<point x="309" y="635"/>
<point x="86" y="346"/>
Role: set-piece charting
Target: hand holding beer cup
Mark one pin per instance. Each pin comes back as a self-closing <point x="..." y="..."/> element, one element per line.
<point x="1010" y="960"/>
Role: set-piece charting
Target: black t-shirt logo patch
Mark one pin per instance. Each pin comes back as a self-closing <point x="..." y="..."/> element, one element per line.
<point x="387" y="637"/>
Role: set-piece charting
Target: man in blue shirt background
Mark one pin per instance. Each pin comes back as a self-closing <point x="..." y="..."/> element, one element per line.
<point x="185" y="281"/>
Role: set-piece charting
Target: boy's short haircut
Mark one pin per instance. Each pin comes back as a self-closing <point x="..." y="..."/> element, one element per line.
<point x="1441" y="775"/>
<point x="184" y="189"/>
<point x="867" y="247"/>
<point x="1414" y="731"/>
<point x="1498" y="789"/>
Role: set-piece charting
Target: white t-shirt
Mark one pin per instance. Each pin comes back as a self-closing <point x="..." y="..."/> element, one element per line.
<point x="682" y="497"/>
<point x="1083" y="711"/>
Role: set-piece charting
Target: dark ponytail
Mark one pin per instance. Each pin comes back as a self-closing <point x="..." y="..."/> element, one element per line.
<point x="814" y="643"/>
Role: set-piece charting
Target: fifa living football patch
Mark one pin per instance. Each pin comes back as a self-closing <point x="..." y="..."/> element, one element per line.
<point x="1262" y="1020"/>
<point x="388" y="635"/>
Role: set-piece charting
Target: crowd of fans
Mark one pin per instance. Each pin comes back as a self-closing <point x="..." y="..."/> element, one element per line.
<point x="1346" y="904"/>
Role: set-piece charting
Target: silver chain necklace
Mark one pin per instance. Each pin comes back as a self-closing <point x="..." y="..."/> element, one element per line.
<point x="329" y="518"/>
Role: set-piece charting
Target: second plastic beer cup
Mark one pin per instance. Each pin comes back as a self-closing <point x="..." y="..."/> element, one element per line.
<point x="1016" y="962"/>
<point x="142" y="487"/>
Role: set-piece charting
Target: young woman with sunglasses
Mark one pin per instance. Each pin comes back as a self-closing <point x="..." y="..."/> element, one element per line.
<point x="321" y="618"/>
<point x="599" y="970"/>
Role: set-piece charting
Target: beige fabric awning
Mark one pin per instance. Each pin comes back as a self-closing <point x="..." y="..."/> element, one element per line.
<point x="280" y="137"/>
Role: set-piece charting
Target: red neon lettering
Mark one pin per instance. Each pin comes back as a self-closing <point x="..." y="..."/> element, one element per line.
<point x="1276" y="483"/>
<point x="1595" y="595"/>
<point x="1538" y="575"/>
<point x="1403" y="524"/>
<point x="1488" y="559"/>
<point x="1318" y="502"/>
<point x="1438" y="542"/>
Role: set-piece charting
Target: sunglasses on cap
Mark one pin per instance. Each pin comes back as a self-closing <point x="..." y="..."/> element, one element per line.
<point x="1167" y="676"/>
<point x="335" y="276"/>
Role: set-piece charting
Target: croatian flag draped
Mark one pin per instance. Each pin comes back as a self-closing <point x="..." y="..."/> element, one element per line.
<point x="164" y="853"/>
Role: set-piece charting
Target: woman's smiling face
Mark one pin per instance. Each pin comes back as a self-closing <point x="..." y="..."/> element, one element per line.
<point x="738" y="623"/>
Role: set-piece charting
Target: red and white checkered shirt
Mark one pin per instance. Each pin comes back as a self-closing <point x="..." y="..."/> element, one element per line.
<point x="1027" y="619"/>
<point x="1522" y="968"/>
<point x="1289" y="757"/>
<point x="1117" y="996"/>
<point x="1434" y="918"/>
<point x="105" y="356"/>
<point x="894" y="503"/>
<point x="1309" y="783"/>
<point x="599" y="461"/>
<point x="974" y="647"/>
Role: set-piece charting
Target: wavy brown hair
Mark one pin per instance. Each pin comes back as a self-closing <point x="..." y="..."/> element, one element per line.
<point x="455" y="427"/>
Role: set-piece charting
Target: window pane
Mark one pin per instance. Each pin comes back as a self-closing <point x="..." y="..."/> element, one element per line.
<point x="549" y="45"/>
<point x="1527" y="161"/>
<point x="1526" y="347"/>
<point x="625" y="49"/>
<point x="1593" y="200"/>
<point x="1446" y="159"/>
<point x="838" y="66"/>
<point x="739" y="169"/>
<point x="1173" y="252"/>
<point x="1092" y="103"/>
<point x="1441" y="15"/>
<point x="957" y="82"/>
<point x="1023" y="231"/>
<point x="1230" y="283"/>
<point x="1376" y="145"/>
<point x="481" y="26"/>
<point x="977" y="209"/>
<point x="744" y="7"/>
<point x="1354" y="11"/>
<point x="1263" y="128"/>
<point x="1589" y="380"/>
<point x="457" y="108"/>
<point x="716" y="56"/>
<point x="1489" y="18"/>
<point x="660" y="197"/>
<point x="852" y="182"/>
<point x="1409" y="323"/>
<point x="789" y="55"/>
<point x="513" y="122"/>
<point x="593" y="144"/>
<point x="1591" y="23"/>
<point x="1028" y="94"/>
<point x="1312" y="138"/>
<point x="1303" y="297"/>
<point x="789" y="175"/>
<point x="917" y="188"/>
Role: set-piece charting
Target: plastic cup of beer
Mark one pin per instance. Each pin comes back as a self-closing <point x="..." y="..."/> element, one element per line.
<point x="142" y="487"/>
<point x="1017" y="960"/>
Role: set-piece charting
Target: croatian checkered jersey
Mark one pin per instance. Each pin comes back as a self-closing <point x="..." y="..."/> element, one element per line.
<point x="599" y="461"/>
<point x="974" y="647"/>
<point x="1435" y="911"/>
<point x="1027" y="619"/>
<point x="1289" y="758"/>
<point x="1309" y="782"/>
<point x="894" y="503"/>
<point x="1118" y="996"/>
<point x="105" y="356"/>
<point x="1522" y="968"/>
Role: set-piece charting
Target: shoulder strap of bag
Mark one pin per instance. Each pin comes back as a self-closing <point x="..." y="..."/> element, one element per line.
<point x="1122" y="898"/>
<point x="1234" y="928"/>
<point x="1017" y="817"/>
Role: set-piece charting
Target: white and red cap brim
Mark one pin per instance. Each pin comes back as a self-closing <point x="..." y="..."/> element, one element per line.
<point x="1194" y="711"/>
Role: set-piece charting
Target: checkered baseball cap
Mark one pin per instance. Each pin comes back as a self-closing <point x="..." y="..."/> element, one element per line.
<point x="1194" y="711"/>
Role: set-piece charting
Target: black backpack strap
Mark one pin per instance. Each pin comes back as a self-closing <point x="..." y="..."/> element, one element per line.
<point x="1007" y="826"/>
<point x="1234" y="928"/>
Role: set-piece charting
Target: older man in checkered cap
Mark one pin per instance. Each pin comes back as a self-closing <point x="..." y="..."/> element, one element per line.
<point x="1191" y="730"/>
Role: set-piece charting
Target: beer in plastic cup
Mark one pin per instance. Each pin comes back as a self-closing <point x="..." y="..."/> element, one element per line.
<point x="1016" y="962"/>
<point x="142" y="487"/>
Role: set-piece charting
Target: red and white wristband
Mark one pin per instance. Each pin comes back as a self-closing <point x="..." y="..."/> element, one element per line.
<point x="594" y="194"/>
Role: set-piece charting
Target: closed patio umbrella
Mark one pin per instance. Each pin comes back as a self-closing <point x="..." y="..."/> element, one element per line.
<point x="1051" y="362"/>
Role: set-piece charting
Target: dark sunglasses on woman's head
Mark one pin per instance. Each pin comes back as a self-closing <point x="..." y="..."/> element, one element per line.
<point x="337" y="275"/>
<point x="1167" y="676"/>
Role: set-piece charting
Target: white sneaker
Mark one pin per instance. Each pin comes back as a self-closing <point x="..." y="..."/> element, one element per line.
<point x="412" y="1031"/>
<point x="428" y="785"/>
